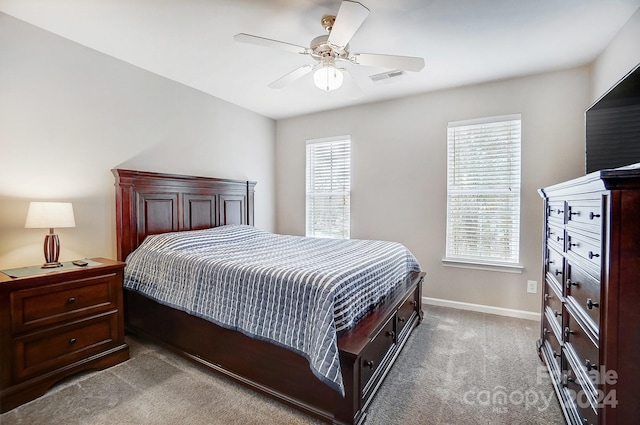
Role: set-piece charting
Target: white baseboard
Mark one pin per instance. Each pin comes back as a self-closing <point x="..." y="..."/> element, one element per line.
<point x="520" y="314"/>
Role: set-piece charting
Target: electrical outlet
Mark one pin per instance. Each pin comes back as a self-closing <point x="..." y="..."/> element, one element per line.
<point x="532" y="286"/>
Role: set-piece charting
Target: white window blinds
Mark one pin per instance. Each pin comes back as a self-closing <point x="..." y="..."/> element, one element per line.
<point x="483" y="190"/>
<point x="329" y="188"/>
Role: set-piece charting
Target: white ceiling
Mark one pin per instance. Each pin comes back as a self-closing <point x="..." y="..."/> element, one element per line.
<point x="462" y="41"/>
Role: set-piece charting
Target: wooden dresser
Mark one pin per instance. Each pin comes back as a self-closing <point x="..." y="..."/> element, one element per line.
<point x="590" y="332"/>
<point x="56" y="324"/>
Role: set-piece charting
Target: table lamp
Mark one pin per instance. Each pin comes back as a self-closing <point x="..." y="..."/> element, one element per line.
<point x="43" y="215"/>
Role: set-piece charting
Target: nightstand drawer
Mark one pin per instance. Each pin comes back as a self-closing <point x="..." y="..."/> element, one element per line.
<point x="31" y="308"/>
<point x="42" y="351"/>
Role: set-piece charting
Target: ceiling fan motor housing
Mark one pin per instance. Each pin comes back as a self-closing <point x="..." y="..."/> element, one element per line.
<point x="321" y="48"/>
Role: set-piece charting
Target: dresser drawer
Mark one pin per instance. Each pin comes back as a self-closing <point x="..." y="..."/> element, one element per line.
<point x="585" y="214"/>
<point x="555" y="237"/>
<point x="584" y="247"/>
<point x="555" y="212"/>
<point x="31" y="308"/>
<point x="374" y="354"/>
<point x="583" y="292"/>
<point x="43" y="351"/>
<point x="554" y="266"/>
<point x="553" y="304"/>
<point x="586" y="350"/>
<point x="552" y="342"/>
<point x="580" y="399"/>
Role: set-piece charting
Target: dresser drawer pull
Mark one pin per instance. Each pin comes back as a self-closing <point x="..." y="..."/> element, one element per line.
<point x="590" y="366"/>
<point x="71" y="300"/>
<point x="567" y="332"/>
<point x="545" y="331"/>
<point x="591" y="255"/>
<point x="566" y="379"/>
<point x="591" y="304"/>
<point x="556" y="313"/>
<point x="573" y="213"/>
<point x="559" y="238"/>
<point x="559" y="211"/>
<point x="548" y="297"/>
<point x="370" y="364"/>
<point x="558" y="272"/>
<point x="391" y="334"/>
<point x="571" y="283"/>
<point x="414" y="303"/>
<point x="557" y="354"/>
<point x="401" y="319"/>
<point x="72" y="341"/>
<point x="592" y="215"/>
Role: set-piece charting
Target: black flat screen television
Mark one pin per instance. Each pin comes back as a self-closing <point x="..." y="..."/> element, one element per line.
<point x="613" y="126"/>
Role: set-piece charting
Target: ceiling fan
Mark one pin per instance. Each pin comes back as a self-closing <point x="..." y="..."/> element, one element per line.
<point x="330" y="49"/>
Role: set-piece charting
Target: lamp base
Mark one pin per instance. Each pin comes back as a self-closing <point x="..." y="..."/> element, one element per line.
<point x="51" y="265"/>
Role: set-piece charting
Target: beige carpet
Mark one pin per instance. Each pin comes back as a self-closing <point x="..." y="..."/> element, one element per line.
<point x="458" y="368"/>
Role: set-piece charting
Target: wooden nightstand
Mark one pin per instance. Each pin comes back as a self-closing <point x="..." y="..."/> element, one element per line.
<point x="56" y="324"/>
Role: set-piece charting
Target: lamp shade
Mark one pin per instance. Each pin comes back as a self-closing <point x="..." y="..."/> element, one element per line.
<point x="47" y="215"/>
<point x="328" y="77"/>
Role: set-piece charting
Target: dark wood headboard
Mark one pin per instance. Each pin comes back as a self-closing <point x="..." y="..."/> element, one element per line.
<point x="151" y="203"/>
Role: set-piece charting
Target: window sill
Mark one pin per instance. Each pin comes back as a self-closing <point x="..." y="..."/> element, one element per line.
<point x="482" y="265"/>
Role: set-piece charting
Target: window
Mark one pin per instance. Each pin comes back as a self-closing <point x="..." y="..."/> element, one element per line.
<point x="329" y="187"/>
<point x="483" y="191"/>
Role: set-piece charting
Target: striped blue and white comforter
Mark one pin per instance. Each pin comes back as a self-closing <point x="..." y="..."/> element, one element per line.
<point x="294" y="291"/>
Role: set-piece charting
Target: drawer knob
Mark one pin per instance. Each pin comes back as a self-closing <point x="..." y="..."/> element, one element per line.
<point x="556" y="313"/>
<point x="571" y="283"/>
<point x="590" y="366"/>
<point x="391" y="334"/>
<point x="547" y="297"/>
<point x="573" y="213"/>
<point x="566" y="379"/>
<point x="401" y="319"/>
<point x="591" y="304"/>
<point x="370" y="364"/>
<point x="558" y="272"/>
<point x="71" y="300"/>
<point x="559" y="211"/>
<point x="414" y="303"/>
<point x="72" y="341"/>
<point x="592" y="215"/>
<point x="567" y="332"/>
<point x="591" y="255"/>
<point x="559" y="238"/>
<point x="556" y="354"/>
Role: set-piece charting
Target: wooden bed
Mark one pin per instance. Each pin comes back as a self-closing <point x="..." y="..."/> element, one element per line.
<point x="151" y="203"/>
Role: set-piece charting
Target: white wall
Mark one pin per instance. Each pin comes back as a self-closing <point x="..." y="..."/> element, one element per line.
<point x="620" y="57"/>
<point x="68" y="115"/>
<point x="399" y="172"/>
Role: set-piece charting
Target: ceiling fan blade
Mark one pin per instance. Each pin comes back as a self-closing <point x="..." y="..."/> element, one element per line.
<point x="267" y="42"/>
<point x="349" y="18"/>
<point x="291" y="77"/>
<point x="404" y="63"/>
<point x="351" y="88"/>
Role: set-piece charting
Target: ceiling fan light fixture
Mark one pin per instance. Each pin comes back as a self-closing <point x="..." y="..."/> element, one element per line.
<point x="328" y="78"/>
